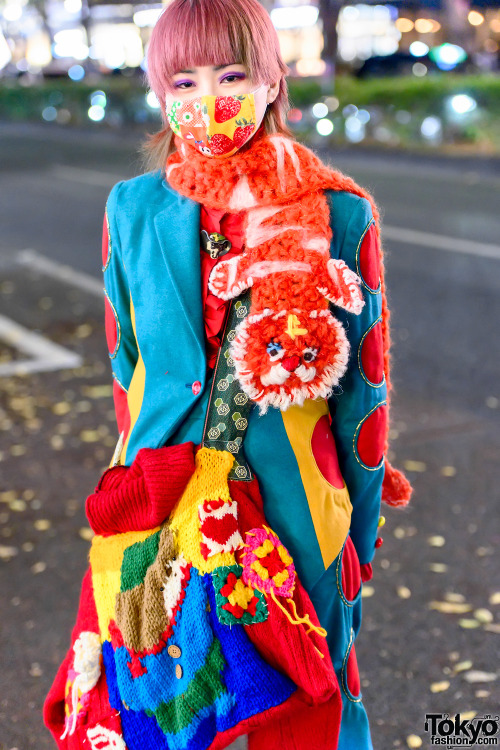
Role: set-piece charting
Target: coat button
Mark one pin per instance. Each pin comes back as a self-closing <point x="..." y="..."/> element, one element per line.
<point x="174" y="651"/>
<point x="196" y="387"/>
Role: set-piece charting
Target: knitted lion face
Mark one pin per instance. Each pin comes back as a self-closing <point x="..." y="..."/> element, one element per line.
<point x="287" y="357"/>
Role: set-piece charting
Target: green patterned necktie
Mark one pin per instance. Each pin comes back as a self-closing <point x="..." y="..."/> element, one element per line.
<point x="228" y="409"/>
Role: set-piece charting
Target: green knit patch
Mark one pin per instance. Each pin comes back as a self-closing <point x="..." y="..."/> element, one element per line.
<point x="136" y="560"/>
<point x="201" y="692"/>
<point x="237" y="603"/>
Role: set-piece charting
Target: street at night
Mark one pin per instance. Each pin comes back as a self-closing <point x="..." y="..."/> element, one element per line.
<point x="429" y="638"/>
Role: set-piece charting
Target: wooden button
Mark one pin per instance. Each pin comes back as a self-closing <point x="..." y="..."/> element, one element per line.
<point x="174" y="652"/>
<point x="178" y="671"/>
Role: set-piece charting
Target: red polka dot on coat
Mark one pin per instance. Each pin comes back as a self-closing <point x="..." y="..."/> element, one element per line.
<point x="351" y="570"/>
<point x="111" y="325"/>
<point x="352" y="674"/>
<point x="325" y="452"/>
<point x="105" y="243"/>
<point x="371" y="437"/>
<point x="369" y="259"/>
<point x="372" y="355"/>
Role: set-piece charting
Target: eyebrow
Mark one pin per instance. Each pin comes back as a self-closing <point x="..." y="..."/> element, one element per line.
<point x="216" y="67"/>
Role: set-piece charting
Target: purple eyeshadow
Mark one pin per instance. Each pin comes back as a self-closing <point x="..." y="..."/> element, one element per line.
<point x="235" y="74"/>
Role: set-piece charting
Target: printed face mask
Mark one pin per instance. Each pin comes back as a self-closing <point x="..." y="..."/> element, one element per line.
<point x="217" y="125"/>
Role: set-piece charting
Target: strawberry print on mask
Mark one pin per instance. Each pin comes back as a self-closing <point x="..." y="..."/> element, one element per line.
<point x="217" y="125"/>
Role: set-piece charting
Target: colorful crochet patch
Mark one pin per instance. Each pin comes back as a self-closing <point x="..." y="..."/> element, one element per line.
<point x="237" y="602"/>
<point x="267" y="565"/>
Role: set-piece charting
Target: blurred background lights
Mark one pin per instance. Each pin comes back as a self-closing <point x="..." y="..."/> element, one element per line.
<point x="49" y="114"/>
<point x="495" y="25"/>
<point x="98" y="99"/>
<point x="350" y="109"/>
<point x="332" y="103"/>
<point x="118" y="45"/>
<point x="76" y="73"/>
<point x="462" y="103"/>
<point x="447" y="56"/>
<point x="475" y="18"/>
<point x="403" y="117"/>
<point x="419" y="69"/>
<point x="431" y="128"/>
<point x="424" y="25"/>
<point x="310" y="67"/>
<point x="72" y="6"/>
<point x="5" y="53"/>
<point x="71" y="43"/>
<point x="152" y="100"/>
<point x="404" y="25"/>
<point x="320" y="110"/>
<point x="324" y="126"/>
<point x="363" y="116"/>
<point x="294" y="115"/>
<point x="147" y="17"/>
<point x="96" y="113"/>
<point x="354" y="129"/>
<point x="418" y="49"/>
<point x="38" y="51"/>
<point x="294" y="17"/>
<point x="12" y="12"/>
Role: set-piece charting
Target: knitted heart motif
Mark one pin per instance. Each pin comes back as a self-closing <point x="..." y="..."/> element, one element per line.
<point x="220" y="530"/>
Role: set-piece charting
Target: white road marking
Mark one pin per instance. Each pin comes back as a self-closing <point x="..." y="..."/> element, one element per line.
<point x="59" y="271"/>
<point x="45" y="355"/>
<point x="87" y="176"/>
<point x="440" y="242"/>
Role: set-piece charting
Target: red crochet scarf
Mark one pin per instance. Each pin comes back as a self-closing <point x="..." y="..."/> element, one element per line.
<point x="275" y="171"/>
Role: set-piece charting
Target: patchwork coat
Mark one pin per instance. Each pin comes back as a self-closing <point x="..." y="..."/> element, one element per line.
<point x="320" y="467"/>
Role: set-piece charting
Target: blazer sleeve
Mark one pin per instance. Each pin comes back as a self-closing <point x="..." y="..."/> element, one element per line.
<point x="120" y="335"/>
<point x="359" y="406"/>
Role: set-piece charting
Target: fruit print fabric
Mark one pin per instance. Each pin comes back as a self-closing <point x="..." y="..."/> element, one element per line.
<point x="216" y="125"/>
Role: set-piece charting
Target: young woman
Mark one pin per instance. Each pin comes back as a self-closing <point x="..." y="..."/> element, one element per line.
<point x="246" y="317"/>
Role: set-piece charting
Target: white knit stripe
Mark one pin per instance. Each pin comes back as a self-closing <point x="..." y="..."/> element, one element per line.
<point x="267" y="267"/>
<point x="242" y="196"/>
<point x="277" y="141"/>
<point x="293" y="156"/>
<point x="263" y="234"/>
<point x="320" y="244"/>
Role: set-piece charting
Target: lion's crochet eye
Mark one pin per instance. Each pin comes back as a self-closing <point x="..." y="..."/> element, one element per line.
<point x="275" y="350"/>
<point x="310" y="354"/>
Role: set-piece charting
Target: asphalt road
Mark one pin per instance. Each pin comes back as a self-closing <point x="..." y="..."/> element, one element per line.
<point x="431" y="626"/>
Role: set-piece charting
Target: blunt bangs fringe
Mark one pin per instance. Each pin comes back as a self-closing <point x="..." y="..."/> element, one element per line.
<point x="213" y="32"/>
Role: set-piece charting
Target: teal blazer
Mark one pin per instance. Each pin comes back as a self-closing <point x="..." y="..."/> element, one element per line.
<point x="155" y="332"/>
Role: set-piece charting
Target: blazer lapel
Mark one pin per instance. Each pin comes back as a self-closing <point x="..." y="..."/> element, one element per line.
<point x="178" y="229"/>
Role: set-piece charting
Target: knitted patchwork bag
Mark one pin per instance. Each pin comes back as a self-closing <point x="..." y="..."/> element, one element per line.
<point x="193" y="627"/>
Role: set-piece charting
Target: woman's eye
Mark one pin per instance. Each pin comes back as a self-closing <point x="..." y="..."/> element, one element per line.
<point x="232" y="78"/>
<point x="184" y="85"/>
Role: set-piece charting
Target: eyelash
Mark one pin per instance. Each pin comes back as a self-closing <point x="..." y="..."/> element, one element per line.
<point x="237" y="76"/>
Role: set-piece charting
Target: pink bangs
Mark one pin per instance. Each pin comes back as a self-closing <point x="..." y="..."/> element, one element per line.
<point x="213" y="32"/>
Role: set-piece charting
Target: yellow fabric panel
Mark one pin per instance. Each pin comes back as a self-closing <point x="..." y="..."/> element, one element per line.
<point x="330" y="507"/>
<point x="106" y="556"/>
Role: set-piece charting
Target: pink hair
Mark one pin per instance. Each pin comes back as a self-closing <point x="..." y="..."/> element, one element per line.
<point x="213" y="32"/>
